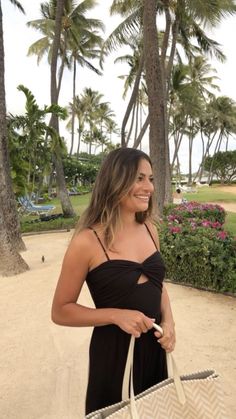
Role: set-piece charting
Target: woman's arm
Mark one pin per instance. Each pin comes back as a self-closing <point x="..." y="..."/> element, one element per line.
<point x="167" y="321"/>
<point x="168" y="339"/>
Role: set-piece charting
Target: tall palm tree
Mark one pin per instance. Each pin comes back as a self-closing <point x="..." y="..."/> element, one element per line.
<point x="92" y="101"/>
<point x="57" y="158"/>
<point x="77" y="111"/>
<point x="137" y="100"/>
<point x="223" y="112"/>
<point x="79" y="35"/>
<point x="82" y="51"/>
<point x="75" y="44"/>
<point x="191" y="87"/>
<point x="184" y="21"/>
<point x="155" y="97"/>
<point x="10" y="239"/>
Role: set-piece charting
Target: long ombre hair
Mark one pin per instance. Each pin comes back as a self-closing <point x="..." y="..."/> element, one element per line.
<point x="113" y="182"/>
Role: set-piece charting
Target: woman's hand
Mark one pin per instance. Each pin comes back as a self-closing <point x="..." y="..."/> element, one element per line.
<point x="132" y="321"/>
<point x="167" y="341"/>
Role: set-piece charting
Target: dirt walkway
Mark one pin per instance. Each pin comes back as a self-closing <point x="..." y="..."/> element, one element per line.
<point x="44" y="366"/>
<point x="230" y="189"/>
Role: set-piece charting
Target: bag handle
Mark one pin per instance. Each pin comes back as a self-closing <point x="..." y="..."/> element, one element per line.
<point x="128" y="374"/>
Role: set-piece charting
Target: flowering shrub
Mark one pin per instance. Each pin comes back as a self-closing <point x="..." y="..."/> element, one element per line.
<point x="196" y="210"/>
<point x="196" y="249"/>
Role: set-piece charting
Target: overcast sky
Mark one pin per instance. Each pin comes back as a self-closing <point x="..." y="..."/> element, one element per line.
<point x="20" y="69"/>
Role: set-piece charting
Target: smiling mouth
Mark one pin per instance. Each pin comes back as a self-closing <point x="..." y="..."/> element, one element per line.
<point x="143" y="198"/>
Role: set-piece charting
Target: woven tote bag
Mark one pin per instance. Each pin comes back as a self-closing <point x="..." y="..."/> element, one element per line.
<point x="194" y="396"/>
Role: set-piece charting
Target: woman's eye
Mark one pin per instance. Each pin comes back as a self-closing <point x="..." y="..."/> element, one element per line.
<point x="140" y="178"/>
<point x="151" y="179"/>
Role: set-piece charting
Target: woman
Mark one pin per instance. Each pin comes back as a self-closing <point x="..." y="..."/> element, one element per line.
<point x="116" y="251"/>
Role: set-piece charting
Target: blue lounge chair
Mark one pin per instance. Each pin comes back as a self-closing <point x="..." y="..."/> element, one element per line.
<point x="28" y="207"/>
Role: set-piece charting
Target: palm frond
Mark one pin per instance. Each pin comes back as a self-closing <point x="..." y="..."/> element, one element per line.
<point x="40" y="48"/>
<point x="124" y="7"/>
<point x="207" y="44"/>
<point x="121" y="35"/>
<point x="18" y="5"/>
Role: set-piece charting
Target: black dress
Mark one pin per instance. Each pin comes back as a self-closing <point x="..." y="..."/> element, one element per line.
<point x="114" y="283"/>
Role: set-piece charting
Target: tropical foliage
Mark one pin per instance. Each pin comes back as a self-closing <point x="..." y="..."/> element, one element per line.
<point x="95" y="120"/>
<point x="32" y="140"/>
<point x="196" y="249"/>
<point x="222" y="165"/>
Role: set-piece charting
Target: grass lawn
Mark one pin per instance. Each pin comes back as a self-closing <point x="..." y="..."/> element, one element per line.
<point x="230" y="223"/>
<point x="210" y="194"/>
<point x="80" y="202"/>
<point x="31" y="223"/>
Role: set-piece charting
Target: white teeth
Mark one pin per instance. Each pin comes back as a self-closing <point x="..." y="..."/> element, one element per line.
<point x="144" y="197"/>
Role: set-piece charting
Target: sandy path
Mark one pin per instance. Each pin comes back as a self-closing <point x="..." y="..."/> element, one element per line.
<point x="230" y="189"/>
<point x="44" y="366"/>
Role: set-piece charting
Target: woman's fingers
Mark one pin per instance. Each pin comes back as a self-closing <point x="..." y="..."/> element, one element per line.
<point x="133" y="322"/>
<point x="167" y="341"/>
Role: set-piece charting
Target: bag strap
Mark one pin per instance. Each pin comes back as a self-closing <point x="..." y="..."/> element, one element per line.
<point x="128" y="376"/>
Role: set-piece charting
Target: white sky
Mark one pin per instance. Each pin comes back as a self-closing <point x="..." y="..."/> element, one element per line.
<point x="20" y="69"/>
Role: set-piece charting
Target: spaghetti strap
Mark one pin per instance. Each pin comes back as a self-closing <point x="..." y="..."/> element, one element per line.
<point x="96" y="234"/>
<point x="151" y="235"/>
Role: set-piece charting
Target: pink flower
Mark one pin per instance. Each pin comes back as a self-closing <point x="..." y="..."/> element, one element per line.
<point x="216" y="224"/>
<point x="206" y="223"/>
<point x="174" y="230"/>
<point x="222" y="235"/>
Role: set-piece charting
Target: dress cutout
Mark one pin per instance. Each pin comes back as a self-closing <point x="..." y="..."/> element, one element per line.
<point x="114" y="283"/>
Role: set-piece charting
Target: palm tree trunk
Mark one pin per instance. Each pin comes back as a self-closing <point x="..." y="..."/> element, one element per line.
<point x="11" y="263"/>
<point x="156" y="104"/>
<point x="63" y="194"/>
<point x="208" y="145"/>
<point x="177" y="141"/>
<point x="131" y="124"/>
<point x="78" y="147"/>
<point x="132" y="100"/>
<point x="136" y="120"/>
<point x="7" y="198"/>
<point x="217" y="148"/>
<point x="73" y="110"/>
<point x="200" y="165"/>
<point x="190" y="153"/>
<point x="142" y="132"/>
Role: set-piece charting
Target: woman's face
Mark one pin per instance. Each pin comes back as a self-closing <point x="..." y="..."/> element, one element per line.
<point x="138" y="197"/>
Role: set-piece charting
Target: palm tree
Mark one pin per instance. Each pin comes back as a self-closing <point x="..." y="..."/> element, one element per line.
<point x="57" y="158"/>
<point x="75" y="44"/>
<point x="137" y="100"/>
<point x="184" y="23"/>
<point x="92" y="101"/>
<point x="10" y="239"/>
<point x="155" y="97"/>
<point x="77" y="111"/>
<point x="191" y="87"/>
<point x="79" y="34"/>
<point x="223" y="112"/>
<point x="82" y="51"/>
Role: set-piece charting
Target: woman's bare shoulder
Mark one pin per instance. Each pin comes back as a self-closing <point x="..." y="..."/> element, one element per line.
<point x="83" y="239"/>
<point x="153" y="229"/>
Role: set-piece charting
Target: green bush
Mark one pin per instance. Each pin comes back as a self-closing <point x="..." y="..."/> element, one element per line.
<point x="56" y="224"/>
<point x="198" y="251"/>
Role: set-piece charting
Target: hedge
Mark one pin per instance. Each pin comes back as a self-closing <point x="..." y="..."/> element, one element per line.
<point x="196" y="248"/>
